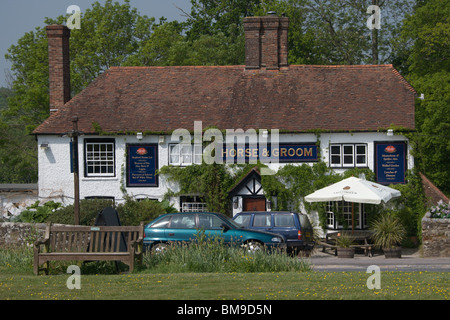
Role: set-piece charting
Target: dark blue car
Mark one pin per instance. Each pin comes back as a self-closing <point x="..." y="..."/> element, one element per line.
<point x="295" y="227"/>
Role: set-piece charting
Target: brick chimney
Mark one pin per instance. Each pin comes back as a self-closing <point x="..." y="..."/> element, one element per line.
<point x="266" y="42"/>
<point x="59" y="65"/>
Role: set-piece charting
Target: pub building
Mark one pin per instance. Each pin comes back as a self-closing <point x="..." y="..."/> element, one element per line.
<point x="125" y="120"/>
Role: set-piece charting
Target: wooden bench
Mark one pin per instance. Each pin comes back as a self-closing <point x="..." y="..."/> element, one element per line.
<point x="85" y="243"/>
<point x="367" y="248"/>
<point x="329" y="246"/>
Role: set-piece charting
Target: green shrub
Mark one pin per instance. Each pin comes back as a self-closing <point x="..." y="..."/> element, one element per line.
<point x="388" y="231"/>
<point x="89" y="209"/>
<point x="132" y="212"/>
<point x="37" y="213"/>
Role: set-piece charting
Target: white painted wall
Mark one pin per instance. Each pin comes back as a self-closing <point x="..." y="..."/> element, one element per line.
<point x="56" y="181"/>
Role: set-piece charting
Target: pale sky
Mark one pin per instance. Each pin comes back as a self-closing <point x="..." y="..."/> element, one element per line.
<point x="20" y="16"/>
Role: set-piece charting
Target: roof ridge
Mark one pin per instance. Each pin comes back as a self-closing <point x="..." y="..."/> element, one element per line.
<point x="175" y="67"/>
<point x="243" y="66"/>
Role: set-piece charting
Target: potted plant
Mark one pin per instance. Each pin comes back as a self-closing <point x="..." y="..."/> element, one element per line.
<point x="344" y="249"/>
<point x="388" y="233"/>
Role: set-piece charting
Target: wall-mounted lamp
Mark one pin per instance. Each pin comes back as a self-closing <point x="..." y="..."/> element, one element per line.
<point x="139" y="135"/>
<point x="265" y="134"/>
<point x="161" y="139"/>
<point x="390" y="132"/>
<point x="44" y="145"/>
<point x="235" y="203"/>
<point x="268" y="204"/>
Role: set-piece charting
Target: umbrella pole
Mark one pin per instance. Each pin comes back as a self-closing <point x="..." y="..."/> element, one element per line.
<point x="353" y="218"/>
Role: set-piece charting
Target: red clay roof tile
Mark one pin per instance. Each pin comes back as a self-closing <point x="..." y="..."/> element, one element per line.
<point x="302" y="98"/>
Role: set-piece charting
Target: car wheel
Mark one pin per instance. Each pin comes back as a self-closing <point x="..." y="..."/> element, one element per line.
<point x="159" y="248"/>
<point x="253" y="246"/>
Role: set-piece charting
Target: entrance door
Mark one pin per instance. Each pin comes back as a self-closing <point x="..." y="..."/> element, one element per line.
<point x="254" y="204"/>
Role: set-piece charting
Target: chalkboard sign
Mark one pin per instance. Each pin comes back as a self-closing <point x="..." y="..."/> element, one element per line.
<point x="142" y="163"/>
<point x="390" y="162"/>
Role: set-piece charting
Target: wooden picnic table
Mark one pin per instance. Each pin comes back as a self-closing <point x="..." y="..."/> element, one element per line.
<point x="361" y="236"/>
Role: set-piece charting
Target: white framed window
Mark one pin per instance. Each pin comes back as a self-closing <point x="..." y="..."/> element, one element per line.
<point x="185" y="154"/>
<point x="361" y="155"/>
<point x="335" y="155"/>
<point x="348" y="155"/>
<point x="99" y="158"/>
<point x="339" y="214"/>
<point x="193" y="204"/>
<point x="194" y="207"/>
<point x="330" y="215"/>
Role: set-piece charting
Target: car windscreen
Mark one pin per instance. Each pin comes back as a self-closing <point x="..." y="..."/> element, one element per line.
<point x="230" y="221"/>
<point x="243" y="219"/>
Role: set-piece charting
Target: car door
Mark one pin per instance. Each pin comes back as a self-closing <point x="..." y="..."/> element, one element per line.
<point x="182" y="228"/>
<point x="284" y="224"/>
<point x="212" y="225"/>
<point x="262" y="222"/>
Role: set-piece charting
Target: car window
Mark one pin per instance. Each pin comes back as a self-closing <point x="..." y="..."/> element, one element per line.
<point x="304" y="221"/>
<point x="284" y="220"/>
<point x="162" y="223"/>
<point x="209" y="221"/>
<point x="261" y="220"/>
<point x="243" y="220"/>
<point x="183" y="221"/>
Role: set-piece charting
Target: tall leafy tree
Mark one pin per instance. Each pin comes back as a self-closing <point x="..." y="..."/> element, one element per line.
<point x="427" y="33"/>
<point x="109" y="34"/>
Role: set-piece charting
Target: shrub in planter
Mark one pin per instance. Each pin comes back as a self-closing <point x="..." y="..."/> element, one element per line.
<point x="344" y="250"/>
<point x="388" y="234"/>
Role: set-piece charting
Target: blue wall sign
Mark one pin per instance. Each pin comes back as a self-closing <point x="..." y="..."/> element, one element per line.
<point x="282" y="152"/>
<point x="390" y="162"/>
<point x="142" y="163"/>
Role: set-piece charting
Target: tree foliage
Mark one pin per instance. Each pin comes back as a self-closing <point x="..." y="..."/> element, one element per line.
<point x="427" y="32"/>
<point x="321" y="32"/>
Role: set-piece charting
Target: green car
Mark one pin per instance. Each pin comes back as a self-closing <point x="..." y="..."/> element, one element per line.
<point x="183" y="227"/>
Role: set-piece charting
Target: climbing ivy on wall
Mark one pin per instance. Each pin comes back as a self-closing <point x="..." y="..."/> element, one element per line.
<point x="288" y="186"/>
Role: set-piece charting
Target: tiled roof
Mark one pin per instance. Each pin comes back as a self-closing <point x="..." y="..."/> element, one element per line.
<point x="302" y="98"/>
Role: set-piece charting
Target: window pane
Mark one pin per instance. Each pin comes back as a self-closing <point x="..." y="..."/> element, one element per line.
<point x="261" y="220"/>
<point x="186" y="154"/>
<point x="335" y="159"/>
<point x="348" y="150"/>
<point x="184" y="221"/>
<point x="284" y="220"/>
<point x="198" y="153"/>
<point x="207" y="221"/>
<point x="361" y="159"/>
<point x="336" y="150"/>
<point x="348" y="159"/>
<point x="360" y="149"/>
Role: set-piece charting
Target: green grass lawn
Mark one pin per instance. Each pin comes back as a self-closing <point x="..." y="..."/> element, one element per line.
<point x="226" y="286"/>
<point x="210" y="272"/>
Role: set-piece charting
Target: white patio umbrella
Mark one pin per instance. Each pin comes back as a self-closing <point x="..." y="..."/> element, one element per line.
<point x="354" y="190"/>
